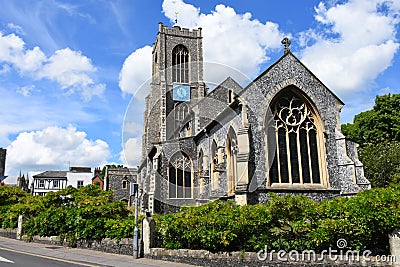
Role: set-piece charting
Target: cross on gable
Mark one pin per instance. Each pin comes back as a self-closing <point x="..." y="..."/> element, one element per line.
<point x="286" y="42"/>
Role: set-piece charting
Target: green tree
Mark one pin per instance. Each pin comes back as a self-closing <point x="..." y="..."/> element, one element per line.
<point x="378" y="133"/>
<point x="76" y="214"/>
<point x="380" y="124"/>
<point x="11" y="195"/>
<point x="381" y="163"/>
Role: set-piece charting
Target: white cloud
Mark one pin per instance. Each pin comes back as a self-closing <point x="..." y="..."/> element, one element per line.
<point x="132" y="152"/>
<point x="235" y="40"/>
<point x="52" y="147"/>
<point x="70" y="69"/>
<point x="249" y="39"/>
<point x="25" y="90"/>
<point x="18" y="29"/>
<point x="5" y="69"/>
<point x="19" y="114"/>
<point x="135" y="70"/>
<point x="355" y="41"/>
<point x="188" y="14"/>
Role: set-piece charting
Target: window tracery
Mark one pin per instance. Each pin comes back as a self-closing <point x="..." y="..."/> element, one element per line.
<point x="297" y="156"/>
<point x="180" y="177"/>
<point x="180" y="64"/>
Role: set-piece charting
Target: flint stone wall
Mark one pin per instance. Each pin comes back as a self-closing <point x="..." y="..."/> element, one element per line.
<point x="124" y="246"/>
<point x="249" y="259"/>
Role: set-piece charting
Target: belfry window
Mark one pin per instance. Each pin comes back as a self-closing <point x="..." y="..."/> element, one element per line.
<point x="180" y="177"/>
<point x="298" y="152"/>
<point x="183" y="120"/>
<point x="180" y="64"/>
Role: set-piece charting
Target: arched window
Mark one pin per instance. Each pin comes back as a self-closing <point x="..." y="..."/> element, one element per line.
<point x="183" y="120"/>
<point x="200" y="162"/>
<point x="214" y="163"/>
<point x="231" y="152"/>
<point x="299" y="142"/>
<point x="200" y="173"/>
<point x="180" y="176"/>
<point x="180" y="64"/>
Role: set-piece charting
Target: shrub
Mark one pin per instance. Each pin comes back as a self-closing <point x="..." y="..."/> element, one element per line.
<point x="288" y="222"/>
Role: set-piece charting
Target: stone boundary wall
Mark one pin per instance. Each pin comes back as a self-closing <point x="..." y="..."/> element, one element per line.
<point x="124" y="246"/>
<point x="10" y="233"/>
<point x="207" y="258"/>
<point x="248" y="259"/>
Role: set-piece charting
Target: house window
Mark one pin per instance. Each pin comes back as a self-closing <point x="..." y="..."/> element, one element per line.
<point x="41" y="183"/>
<point x="56" y="184"/>
<point x="79" y="184"/>
<point x="180" y="177"/>
<point x="298" y="144"/>
<point x="124" y="184"/>
<point x="180" y="64"/>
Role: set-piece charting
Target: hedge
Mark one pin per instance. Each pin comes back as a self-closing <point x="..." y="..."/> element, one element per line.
<point x="288" y="222"/>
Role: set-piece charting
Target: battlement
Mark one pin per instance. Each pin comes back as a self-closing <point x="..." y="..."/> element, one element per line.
<point x="177" y="30"/>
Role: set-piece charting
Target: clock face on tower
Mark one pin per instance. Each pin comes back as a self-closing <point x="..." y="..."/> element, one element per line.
<point x="181" y="92"/>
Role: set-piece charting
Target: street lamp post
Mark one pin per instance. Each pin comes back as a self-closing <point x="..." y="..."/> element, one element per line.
<point x="135" y="193"/>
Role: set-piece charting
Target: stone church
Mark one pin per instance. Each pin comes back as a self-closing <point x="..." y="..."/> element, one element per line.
<point x="281" y="133"/>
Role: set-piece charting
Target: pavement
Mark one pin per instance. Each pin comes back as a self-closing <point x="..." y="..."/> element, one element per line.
<point x="12" y="251"/>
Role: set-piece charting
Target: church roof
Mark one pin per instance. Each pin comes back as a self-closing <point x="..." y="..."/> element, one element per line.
<point x="290" y="54"/>
<point x="227" y="83"/>
<point x="219" y="94"/>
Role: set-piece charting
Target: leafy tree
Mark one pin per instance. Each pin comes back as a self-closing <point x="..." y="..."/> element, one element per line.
<point x="380" y="124"/>
<point x="381" y="163"/>
<point x="10" y="195"/>
<point x="378" y="133"/>
<point x="76" y="214"/>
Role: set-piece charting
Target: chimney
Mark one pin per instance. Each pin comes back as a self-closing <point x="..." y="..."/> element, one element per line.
<point x="97" y="171"/>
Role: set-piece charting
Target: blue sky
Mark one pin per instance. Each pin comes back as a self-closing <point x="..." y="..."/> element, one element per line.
<point x="69" y="70"/>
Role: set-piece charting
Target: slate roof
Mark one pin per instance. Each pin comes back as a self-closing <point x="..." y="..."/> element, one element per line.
<point x="51" y="174"/>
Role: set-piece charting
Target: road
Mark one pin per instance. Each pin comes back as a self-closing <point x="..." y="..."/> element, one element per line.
<point x="14" y="259"/>
<point x="15" y="253"/>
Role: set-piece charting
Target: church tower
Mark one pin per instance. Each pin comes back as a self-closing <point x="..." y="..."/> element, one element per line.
<point x="177" y="85"/>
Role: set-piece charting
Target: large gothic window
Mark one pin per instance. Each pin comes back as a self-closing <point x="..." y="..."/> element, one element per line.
<point x="180" y="176"/>
<point x="298" y="139"/>
<point x="180" y="64"/>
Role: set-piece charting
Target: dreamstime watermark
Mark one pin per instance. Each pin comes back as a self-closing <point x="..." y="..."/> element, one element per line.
<point x="331" y="254"/>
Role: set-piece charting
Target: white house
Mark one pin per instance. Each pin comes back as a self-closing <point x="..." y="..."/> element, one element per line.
<point x="57" y="180"/>
<point x="79" y="176"/>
